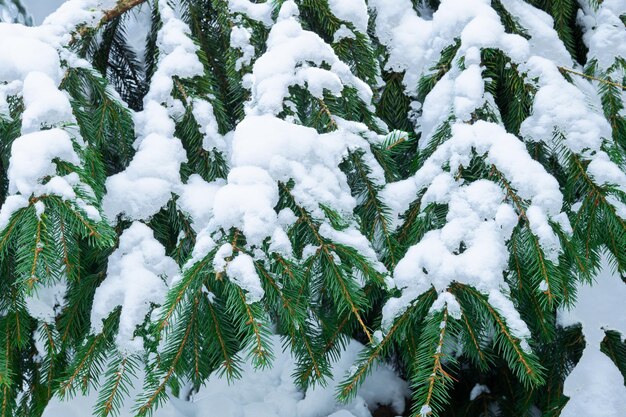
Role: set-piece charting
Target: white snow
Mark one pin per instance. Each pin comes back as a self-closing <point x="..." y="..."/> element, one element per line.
<point x="31" y="160"/>
<point x="573" y="112"/>
<point x="24" y="50"/>
<point x="45" y="105"/>
<point x="478" y="217"/>
<point x="507" y="309"/>
<point x="425" y="411"/>
<point x="415" y="43"/>
<point x="204" y="244"/>
<point x="448" y="301"/>
<point x="543" y="40"/>
<point x="559" y="105"/>
<point x="154" y="170"/>
<point x="261" y="12"/>
<point x="596" y="386"/>
<point x="343" y="33"/>
<point x="137" y="277"/>
<point x="264" y="150"/>
<point x="287" y="62"/>
<point x="270" y="392"/>
<point x="73" y="13"/>
<point x="197" y="197"/>
<point x="46" y="300"/>
<point x="247" y="202"/>
<point x="12" y="204"/>
<point x="219" y="261"/>
<point x="286" y="150"/>
<point x="242" y="271"/>
<point x="240" y="39"/>
<point x="478" y="390"/>
<point x="33" y="61"/>
<point x="353" y="11"/>
<point x="604" y="32"/>
<point x="352" y="238"/>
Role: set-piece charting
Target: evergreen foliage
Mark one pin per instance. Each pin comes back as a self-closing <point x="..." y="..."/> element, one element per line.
<point x="436" y="179"/>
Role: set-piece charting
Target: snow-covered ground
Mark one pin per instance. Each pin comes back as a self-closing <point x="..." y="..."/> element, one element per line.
<point x="267" y="393"/>
<point x="596" y="386"/>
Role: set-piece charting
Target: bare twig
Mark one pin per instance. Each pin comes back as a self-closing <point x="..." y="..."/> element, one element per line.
<point x="122" y="7"/>
<point x="591" y="77"/>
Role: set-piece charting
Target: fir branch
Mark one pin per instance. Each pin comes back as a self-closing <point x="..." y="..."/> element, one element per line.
<point x="538" y="251"/>
<point x="108" y="405"/>
<point x="155" y="394"/>
<point x="530" y="372"/>
<point x="51" y="353"/>
<point x="260" y="352"/>
<point x="330" y="344"/>
<point x="6" y="383"/>
<point x="36" y="251"/>
<point x="83" y="362"/>
<point x="375" y="350"/>
<point x="6" y="234"/>
<point x="474" y="338"/>
<point x="181" y="290"/>
<point x="119" y="376"/>
<point x="324" y="247"/>
<point x="228" y="361"/>
<point x="437" y="367"/>
<point x="345" y="291"/>
<point x="381" y="217"/>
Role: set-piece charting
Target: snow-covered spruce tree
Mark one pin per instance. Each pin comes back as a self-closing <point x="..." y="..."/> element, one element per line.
<point x="181" y="180"/>
<point x="13" y="11"/>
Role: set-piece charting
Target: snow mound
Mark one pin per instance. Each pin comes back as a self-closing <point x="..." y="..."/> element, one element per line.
<point x="135" y="280"/>
<point x="596" y="386"/>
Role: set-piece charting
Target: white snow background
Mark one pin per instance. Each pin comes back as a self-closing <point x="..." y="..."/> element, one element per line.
<point x="266" y="393"/>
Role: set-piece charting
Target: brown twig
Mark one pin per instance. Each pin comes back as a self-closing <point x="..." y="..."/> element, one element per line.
<point x="591" y="77"/>
<point x="122" y="7"/>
